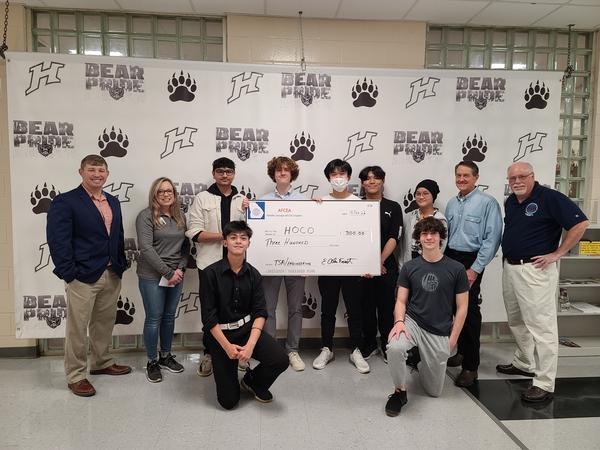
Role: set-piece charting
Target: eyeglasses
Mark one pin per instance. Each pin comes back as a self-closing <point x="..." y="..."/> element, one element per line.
<point x="519" y="177"/>
<point x="168" y="192"/>
<point x="228" y="172"/>
<point x="422" y="194"/>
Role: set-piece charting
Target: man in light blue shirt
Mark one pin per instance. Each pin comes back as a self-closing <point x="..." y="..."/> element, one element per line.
<point x="474" y="234"/>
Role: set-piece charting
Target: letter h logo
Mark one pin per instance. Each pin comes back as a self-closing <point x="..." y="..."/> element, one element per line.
<point x="421" y="89"/>
<point x="246" y="81"/>
<point x="359" y="143"/>
<point x="531" y="143"/>
<point x="176" y="140"/>
<point x="40" y="73"/>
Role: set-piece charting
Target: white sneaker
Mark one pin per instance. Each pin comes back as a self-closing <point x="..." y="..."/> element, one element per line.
<point x="243" y="366"/>
<point x="296" y="362"/>
<point x="205" y="367"/>
<point x="323" y="359"/>
<point x="357" y="359"/>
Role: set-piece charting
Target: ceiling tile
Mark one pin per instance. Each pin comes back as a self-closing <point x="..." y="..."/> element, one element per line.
<point x="374" y="9"/>
<point x="445" y="12"/>
<point x="33" y="3"/>
<point x="76" y="4"/>
<point x="309" y="8"/>
<point x="584" y="17"/>
<point x="158" y="6"/>
<point x="543" y="13"/>
<point x="515" y="14"/>
<point x="222" y="7"/>
<point x="584" y="3"/>
<point x="538" y="2"/>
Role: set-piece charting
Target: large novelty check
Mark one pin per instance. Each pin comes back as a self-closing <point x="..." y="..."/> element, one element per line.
<point x="308" y="238"/>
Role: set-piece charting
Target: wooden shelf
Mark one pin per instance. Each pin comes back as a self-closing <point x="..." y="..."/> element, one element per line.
<point x="590" y="346"/>
<point x="579" y="285"/>
<point x="577" y="313"/>
<point x="582" y="281"/>
<point x="581" y="257"/>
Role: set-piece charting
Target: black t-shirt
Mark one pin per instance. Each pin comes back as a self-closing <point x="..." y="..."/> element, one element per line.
<point x="390" y="214"/>
<point x="533" y="227"/>
<point x="225" y="206"/>
<point x="433" y="288"/>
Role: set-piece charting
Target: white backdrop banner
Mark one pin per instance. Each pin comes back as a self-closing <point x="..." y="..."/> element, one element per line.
<point x="153" y="118"/>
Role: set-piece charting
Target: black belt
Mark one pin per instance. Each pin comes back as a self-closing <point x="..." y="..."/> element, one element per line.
<point x="518" y="262"/>
<point x="459" y="252"/>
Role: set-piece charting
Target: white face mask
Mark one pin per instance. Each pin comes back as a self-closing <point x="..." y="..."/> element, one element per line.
<point x="339" y="184"/>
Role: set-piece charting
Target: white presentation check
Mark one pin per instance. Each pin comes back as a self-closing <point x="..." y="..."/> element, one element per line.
<point x="309" y="238"/>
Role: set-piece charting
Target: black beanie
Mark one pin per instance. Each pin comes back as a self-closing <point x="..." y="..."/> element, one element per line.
<point x="431" y="186"/>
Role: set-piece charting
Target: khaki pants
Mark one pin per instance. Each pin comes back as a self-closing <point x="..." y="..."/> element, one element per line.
<point x="530" y="300"/>
<point x="93" y="305"/>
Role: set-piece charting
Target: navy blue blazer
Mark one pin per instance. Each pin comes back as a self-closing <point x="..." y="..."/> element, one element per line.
<point x="79" y="245"/>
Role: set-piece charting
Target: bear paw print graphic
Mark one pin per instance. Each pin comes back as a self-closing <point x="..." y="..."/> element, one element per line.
<point x="302" y="148"/>
<point x="364" y="94"/>
<point x="247" y="192"/>
<point x="309" y="306"/>
<point x="409" y="202"/>
<point x="41" y="198"/>
<point x="181" y="88"/>
<point x="474" y="149"/>
<point x="112" y="143"/>
<point x="536" y="96"/>
<point x="125" y="312"/>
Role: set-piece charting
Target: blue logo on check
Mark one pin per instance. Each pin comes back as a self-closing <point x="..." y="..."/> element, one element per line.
<point x="256" y="210"/>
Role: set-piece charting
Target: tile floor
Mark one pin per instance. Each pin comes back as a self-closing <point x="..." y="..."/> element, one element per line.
<point x="329" y="409"/>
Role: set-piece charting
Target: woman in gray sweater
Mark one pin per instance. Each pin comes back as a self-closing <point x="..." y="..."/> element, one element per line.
<point x="163" y="255"/>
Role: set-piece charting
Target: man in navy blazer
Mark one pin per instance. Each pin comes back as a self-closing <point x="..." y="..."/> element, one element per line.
<point x="85" y="237"/>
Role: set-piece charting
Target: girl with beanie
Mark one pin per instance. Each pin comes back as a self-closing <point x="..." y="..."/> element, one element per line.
<point x="425" y="194"/>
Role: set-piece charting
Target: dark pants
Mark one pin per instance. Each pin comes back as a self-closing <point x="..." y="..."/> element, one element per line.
<point x="330" y="287"/>
<point x="379" y="298"/>
<point x="468" y="341"/>
<point x="270" y="355"/>
<point x="204" y="335"/>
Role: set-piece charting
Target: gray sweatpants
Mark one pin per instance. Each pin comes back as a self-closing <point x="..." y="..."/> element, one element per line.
<point x="294" y="286"/>
<point x="434" y="353"/>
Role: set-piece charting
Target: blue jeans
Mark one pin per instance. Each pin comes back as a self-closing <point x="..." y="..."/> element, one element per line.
<point x="160" y="304"/>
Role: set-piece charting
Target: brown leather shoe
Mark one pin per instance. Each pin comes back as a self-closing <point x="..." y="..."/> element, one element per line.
<point x="535" y="394"/>
<point x="509" y="369"/>
<point x="466" y="378"/>
<point x="115" y="369"/>
<point x="455" y="361"/>
<point x="82" y="388"/>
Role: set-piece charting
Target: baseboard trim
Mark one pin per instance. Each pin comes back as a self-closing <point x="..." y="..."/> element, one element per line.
<point x="19" y="352"/>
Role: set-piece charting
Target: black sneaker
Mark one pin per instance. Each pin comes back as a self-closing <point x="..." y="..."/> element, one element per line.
<point x="170" y="364"/>
<point x="262" y="395"/>
<point x="153" y="372"/>
<point x="395" y="403"/>
<point x="413" y="359"/>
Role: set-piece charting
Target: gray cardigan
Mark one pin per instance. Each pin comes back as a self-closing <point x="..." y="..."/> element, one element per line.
<point x="162" y="249"/>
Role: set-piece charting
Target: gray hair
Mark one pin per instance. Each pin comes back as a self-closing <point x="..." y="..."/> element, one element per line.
<point x="526" y="164"/>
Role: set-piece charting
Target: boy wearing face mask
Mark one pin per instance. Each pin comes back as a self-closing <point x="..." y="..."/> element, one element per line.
<point x="338" y="172"/>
